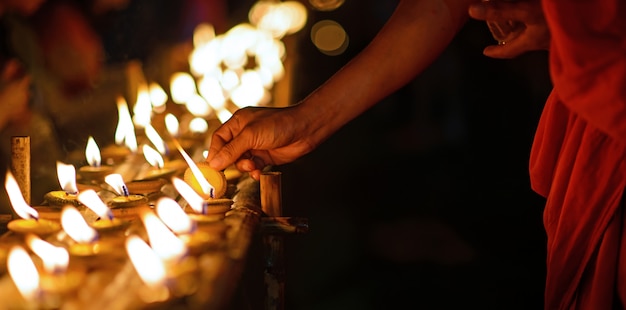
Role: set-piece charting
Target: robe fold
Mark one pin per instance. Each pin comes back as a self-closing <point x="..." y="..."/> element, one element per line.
<point x="578" y="157"/>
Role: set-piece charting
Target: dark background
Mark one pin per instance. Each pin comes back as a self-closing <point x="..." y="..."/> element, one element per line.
<point x="424" y="201"/>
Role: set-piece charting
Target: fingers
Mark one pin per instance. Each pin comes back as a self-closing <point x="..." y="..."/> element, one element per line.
<point x="507" y="50"/>
<point x="499" y="10"/>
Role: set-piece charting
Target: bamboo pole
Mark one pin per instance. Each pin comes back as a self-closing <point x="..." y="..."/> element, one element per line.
<point x="20" y="164"/>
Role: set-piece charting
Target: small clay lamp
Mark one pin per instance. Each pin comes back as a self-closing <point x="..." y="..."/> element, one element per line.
<point x="68" y="195"/>
<point x="30" y="221"/>
<point x="124" y="205"/>
<point x="200" y="209"/>
<point x="95" y="171"/>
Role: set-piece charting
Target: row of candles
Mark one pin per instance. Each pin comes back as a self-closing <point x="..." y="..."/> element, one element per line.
<point x="166" y="213"/>
<point x="164" y="216"/>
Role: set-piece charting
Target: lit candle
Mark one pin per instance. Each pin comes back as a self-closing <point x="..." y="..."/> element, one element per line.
<point x="206" y="181"/>
<point x="150" y="268"/>
<point x="24" y="273"/>
<point x="95" y="171"/>
<point x="185" y="227"/>
<point x="202" y="210"/>
<point x="56" y="280"/>
<point x="84" y="237"/>
<point x="106" y="220"/>
<point x="124" y="204"/>
<point x="180" y="267"/>
<point x="30" y="221"/>
<point x="66" y="175"/>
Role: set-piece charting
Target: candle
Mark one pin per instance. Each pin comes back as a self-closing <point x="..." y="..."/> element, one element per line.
<point x="84" y="238"/>
<point x="56" y="280"/>
<point x="185" y="227"/>
<point x="66" y="175"/>
<point x="124" y="204"/>
<point x="23" y="272"/>
<point x="94" y="171"/>
<point x="150" y="268"/>
<point x="180" y="267"/>
<point x="30" y="221"/>
<point x="206" y="181"/>
<point x="202" y="210"/>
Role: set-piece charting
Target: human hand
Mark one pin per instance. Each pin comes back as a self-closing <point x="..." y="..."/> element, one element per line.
<point x="533" y="35"/>
<point x="255" y="137"/>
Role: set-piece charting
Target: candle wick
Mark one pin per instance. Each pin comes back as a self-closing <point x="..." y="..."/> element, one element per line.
<point x="211" y="192"/>
<point x="125" y="190"/>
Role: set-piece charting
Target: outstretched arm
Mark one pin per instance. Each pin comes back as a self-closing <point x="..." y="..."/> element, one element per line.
<point x="413" y="37"/>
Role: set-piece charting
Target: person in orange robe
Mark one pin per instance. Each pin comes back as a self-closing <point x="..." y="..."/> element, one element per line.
<point x="578" y="155"/>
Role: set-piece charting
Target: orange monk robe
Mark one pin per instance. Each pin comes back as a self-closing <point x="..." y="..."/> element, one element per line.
<point x="578" y="159"/>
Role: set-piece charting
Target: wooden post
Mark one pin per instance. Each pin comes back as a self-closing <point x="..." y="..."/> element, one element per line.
<point x="274" y="275"/>
<point x="20" y="164"/>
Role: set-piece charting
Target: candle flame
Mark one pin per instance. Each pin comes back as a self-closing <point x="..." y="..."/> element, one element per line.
<point x="92" y="201"/>
<point x="92" y="153"/>
<point x="67" y="177"/>
<point x="206" y="187"/>
<point x="153" y="157"/>
<point x="55" y="259"/>
<point x="146" y="262"/>
<point x="18" y="203"/>
<point x="156" y="139"/>
<point x="158" y="97"/>
<point x="172" y="124"/>
<point x="76" y="227"/>
<point x="116" y="182"/>
<point x="174" y="217"/>
<point x="198" y="125"/>
<point x="23" y="272"/>
<point x="182" y="87"/>
<point x="142" y="111"/>
<point x="162" y="240"/>
<point x="125" y="131"/>
<point x="194" y="200"/>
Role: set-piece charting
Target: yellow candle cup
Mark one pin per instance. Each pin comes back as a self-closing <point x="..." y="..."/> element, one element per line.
<point x="216" y="178"/>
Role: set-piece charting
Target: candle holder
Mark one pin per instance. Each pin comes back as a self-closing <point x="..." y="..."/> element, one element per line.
<point x="56" y="287"/>
<point x="216" y="178"/>
<point x="114" y="154"/>
<point x="209" y="236"/>
<point x="40" y="227"/>
<point x="60" y="198"/>
<point x="215" y="210"/>
<point x="153" y="173"/>
<point x="127" y="207"/>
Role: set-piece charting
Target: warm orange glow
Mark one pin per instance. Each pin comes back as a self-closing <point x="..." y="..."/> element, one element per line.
<point x="158" y="97"/>
<point x="67" y="177"/>
<point x="18" y="202"/>
<point x="162" y="240"/>
<point x="172" y="214"/>
<point x="198" y="125"/>
<point x="23" y="272"/>
<point x="92" y="153"/>
<point x="76" y="227"/>
<point x="91" y="200"/>
<point x="55" y="259"/>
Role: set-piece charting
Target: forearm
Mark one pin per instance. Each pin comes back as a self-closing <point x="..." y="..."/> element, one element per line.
<point x="415" y="35"/>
